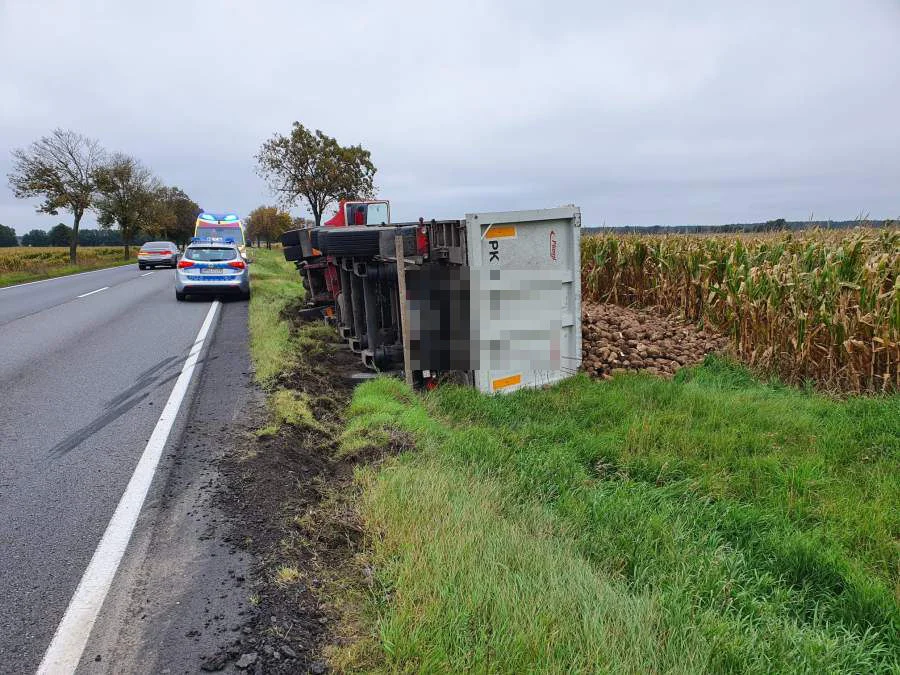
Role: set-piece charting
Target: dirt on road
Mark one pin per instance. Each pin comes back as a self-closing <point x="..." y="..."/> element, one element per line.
<point x="288" y="492"/>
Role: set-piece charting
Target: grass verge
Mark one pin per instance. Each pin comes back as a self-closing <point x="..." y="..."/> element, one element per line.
<point x="710" y="523"/>
<point x="275" y="285"/>
<point x="22" y="277"/>
<point x="289" y="495"/>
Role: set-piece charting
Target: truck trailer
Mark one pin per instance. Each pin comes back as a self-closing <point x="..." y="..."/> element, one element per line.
<point x="492" y="300"/>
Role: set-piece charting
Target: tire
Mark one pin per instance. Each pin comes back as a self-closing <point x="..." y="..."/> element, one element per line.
<point x="245" y="296"/>
<point x="141" y="267"/>
<point x="180" y="296"/>
<point x="292" y="253"/>
<point x="358" y="242"/>
<point x="314" y="236"/>
<point x="387" y="247"/>
<point x="290" y="238"/>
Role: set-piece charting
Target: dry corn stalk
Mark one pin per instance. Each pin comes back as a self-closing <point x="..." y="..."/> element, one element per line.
<point x="820" y="305"/>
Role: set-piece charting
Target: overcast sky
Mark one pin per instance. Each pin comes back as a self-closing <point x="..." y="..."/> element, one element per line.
<point x="640" y="112"/>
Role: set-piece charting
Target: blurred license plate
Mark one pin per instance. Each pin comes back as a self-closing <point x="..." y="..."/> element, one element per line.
<point x="210" y="270"/>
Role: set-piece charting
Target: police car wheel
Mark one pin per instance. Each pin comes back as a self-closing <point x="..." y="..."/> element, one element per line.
<point x="141" y="267"/>
<point x="180" y="296"/>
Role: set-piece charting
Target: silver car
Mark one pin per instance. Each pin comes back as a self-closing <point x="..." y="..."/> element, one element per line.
<point x="212" y="267"/>
<point x="156" y="253"/>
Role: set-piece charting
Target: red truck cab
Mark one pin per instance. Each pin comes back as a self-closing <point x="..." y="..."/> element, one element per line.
<point x="369" y="213"/>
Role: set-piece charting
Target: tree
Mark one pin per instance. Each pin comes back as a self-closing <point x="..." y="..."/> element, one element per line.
<point x="60" y="235"/>
<point x="128" y="196"/>
<point x="267" y="222"/>
<point x="175" y="214"/>
<point x="100" y="237"/>
<point x="8" y="237"/>
<point x="255" y="223"/>
<point x="316" y="168"/>
<point x="36" y="238"/>
<point x="161" y="217"/>
<point x="62" y="170"/>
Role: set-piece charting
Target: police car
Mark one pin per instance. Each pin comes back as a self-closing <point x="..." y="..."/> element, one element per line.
<point x="212" y="266"/>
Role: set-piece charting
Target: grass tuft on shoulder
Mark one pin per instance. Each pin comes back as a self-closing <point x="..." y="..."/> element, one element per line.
<point x="275" y="286"/>
<point x="709" y="523"/>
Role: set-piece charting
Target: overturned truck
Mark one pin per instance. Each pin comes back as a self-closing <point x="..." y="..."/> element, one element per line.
<point x="492" y="300"/>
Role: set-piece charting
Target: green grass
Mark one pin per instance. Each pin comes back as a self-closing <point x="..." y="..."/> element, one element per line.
<point x="292" y="407"/>
<point x="22" y="277"/>
<point x="711" y="523"/>
<point x="274" y="284"/>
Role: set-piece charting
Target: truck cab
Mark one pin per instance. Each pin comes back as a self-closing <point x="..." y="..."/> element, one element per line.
<point x="371" y="213"/>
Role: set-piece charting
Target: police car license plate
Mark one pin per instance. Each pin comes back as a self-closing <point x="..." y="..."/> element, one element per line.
<point x="210" y="270"/>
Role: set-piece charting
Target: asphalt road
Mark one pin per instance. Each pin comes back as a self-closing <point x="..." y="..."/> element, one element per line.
<point x="83" y="381"/>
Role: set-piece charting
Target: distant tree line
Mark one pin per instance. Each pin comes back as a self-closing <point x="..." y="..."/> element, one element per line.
<point x="778" y="225"/>
<point x="7" y="236"/>
<point x="61" y="235"/>
<point x="71" y="172"/>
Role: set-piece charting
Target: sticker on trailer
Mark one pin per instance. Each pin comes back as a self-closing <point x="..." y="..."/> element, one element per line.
<point x="506" y="382"/>
<point x="500" y="232"/>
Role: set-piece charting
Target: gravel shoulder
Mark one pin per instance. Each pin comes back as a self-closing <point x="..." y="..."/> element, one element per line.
<point x="287" y="494"/>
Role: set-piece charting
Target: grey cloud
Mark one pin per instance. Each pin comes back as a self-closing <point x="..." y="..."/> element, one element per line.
<point x="653" y="112"/>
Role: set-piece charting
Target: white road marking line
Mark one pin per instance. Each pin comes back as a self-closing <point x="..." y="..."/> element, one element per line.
<point x="84" y="295"/>
<point x="71" y="636"/>
<point x="64" y="276"/>
<point x="147" y="274"/>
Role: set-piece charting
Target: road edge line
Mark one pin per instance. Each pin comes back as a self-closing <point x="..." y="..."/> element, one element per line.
<point x="73" y="631"/>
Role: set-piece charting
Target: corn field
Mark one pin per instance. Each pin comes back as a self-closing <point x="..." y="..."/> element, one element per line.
<point x="41" y="259"/>
<point x="820" y="305"/>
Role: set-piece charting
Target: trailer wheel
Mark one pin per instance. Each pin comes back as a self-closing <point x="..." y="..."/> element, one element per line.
<point x="387" y="247"/>
<point x="292" y="253"/>
<point x="360" y="242"/>
<point x="290" y="238"/>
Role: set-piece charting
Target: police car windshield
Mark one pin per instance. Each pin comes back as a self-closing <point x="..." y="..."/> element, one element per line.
<point x="210" y="253"/>
<point x="221" y="233"/>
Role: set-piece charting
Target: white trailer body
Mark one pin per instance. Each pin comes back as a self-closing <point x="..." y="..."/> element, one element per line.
<point x="525" y="274"/>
